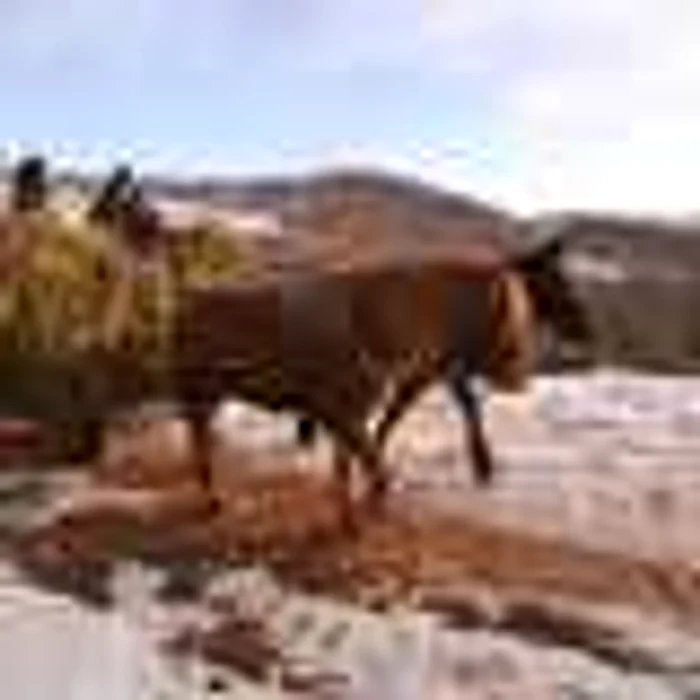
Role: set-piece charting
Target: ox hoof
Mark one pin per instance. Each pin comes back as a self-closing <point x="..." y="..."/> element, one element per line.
<point x="377" y="495"/>
<point x="210" y="504"/>
<point x="483" y="468"/>
<point x="483" y="480"/>
<point x="347" y="521"/>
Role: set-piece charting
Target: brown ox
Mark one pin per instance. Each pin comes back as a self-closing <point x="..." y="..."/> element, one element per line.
<point x="555" y="306"/>
<point x="330" y="344"/>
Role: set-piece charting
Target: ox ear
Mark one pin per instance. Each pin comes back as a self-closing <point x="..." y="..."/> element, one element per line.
<point x="542" y="256"/>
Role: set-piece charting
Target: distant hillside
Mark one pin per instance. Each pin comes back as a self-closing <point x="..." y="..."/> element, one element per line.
<point x="364" y="207"/>
<point x="279" y="192"/>
<point x="329" y="212"/>
<point x="639" y="277"/>
<point x="641" y="281"/>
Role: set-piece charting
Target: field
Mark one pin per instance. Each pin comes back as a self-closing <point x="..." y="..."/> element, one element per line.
<point x="574" y="577"/>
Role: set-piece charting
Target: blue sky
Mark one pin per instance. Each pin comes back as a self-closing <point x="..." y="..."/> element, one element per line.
<point x="531" y="103"/>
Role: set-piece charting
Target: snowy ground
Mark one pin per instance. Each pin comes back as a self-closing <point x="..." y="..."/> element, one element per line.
<point x="607" y="459"/>
<point x="610" y="459"/>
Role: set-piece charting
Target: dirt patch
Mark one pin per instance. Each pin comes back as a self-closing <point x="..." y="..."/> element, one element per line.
<point x="236" y="642"/>
<point x="246" y="644"/>
<point x="289" y="523"/>
<point x="470" y="574"/>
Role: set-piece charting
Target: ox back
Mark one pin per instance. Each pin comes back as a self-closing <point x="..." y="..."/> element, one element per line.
<point x="327" y="341"/>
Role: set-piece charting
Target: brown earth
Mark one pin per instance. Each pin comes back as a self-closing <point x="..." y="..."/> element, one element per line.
<point x="288" y="522"/>
<point x="142" y="500"/>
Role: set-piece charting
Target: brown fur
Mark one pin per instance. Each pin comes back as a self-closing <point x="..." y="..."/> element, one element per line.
<point x="512" y="354"/>
<point x="509" y="360"/>
<point x="530" y="289"/>
<point x="331" y="343"/>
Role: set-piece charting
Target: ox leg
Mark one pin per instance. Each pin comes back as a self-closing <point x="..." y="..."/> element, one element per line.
<point x="352" y="440"/>
<point x="198" y="418"/>
<point x="85" y="441"/>
<point x="342" y="462"/>
<point x="307" y="431"/>
<point x="462" y="391"/>
<point x="406" y="393"/>
<point x="373" y="465"/>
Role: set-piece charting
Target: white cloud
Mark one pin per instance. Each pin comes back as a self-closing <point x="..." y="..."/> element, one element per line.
<point x="39" y="32"/>
<point x="314" y="33"/>
<point x="603" y="97"/>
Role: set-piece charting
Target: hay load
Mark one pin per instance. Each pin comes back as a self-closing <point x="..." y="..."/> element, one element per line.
<point x="78" y="309"/>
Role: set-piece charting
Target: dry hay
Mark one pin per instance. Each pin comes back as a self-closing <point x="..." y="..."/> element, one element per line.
<point x="76" y="305"/>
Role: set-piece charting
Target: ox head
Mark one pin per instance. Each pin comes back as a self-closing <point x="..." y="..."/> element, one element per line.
<point x="555" y="302"/>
